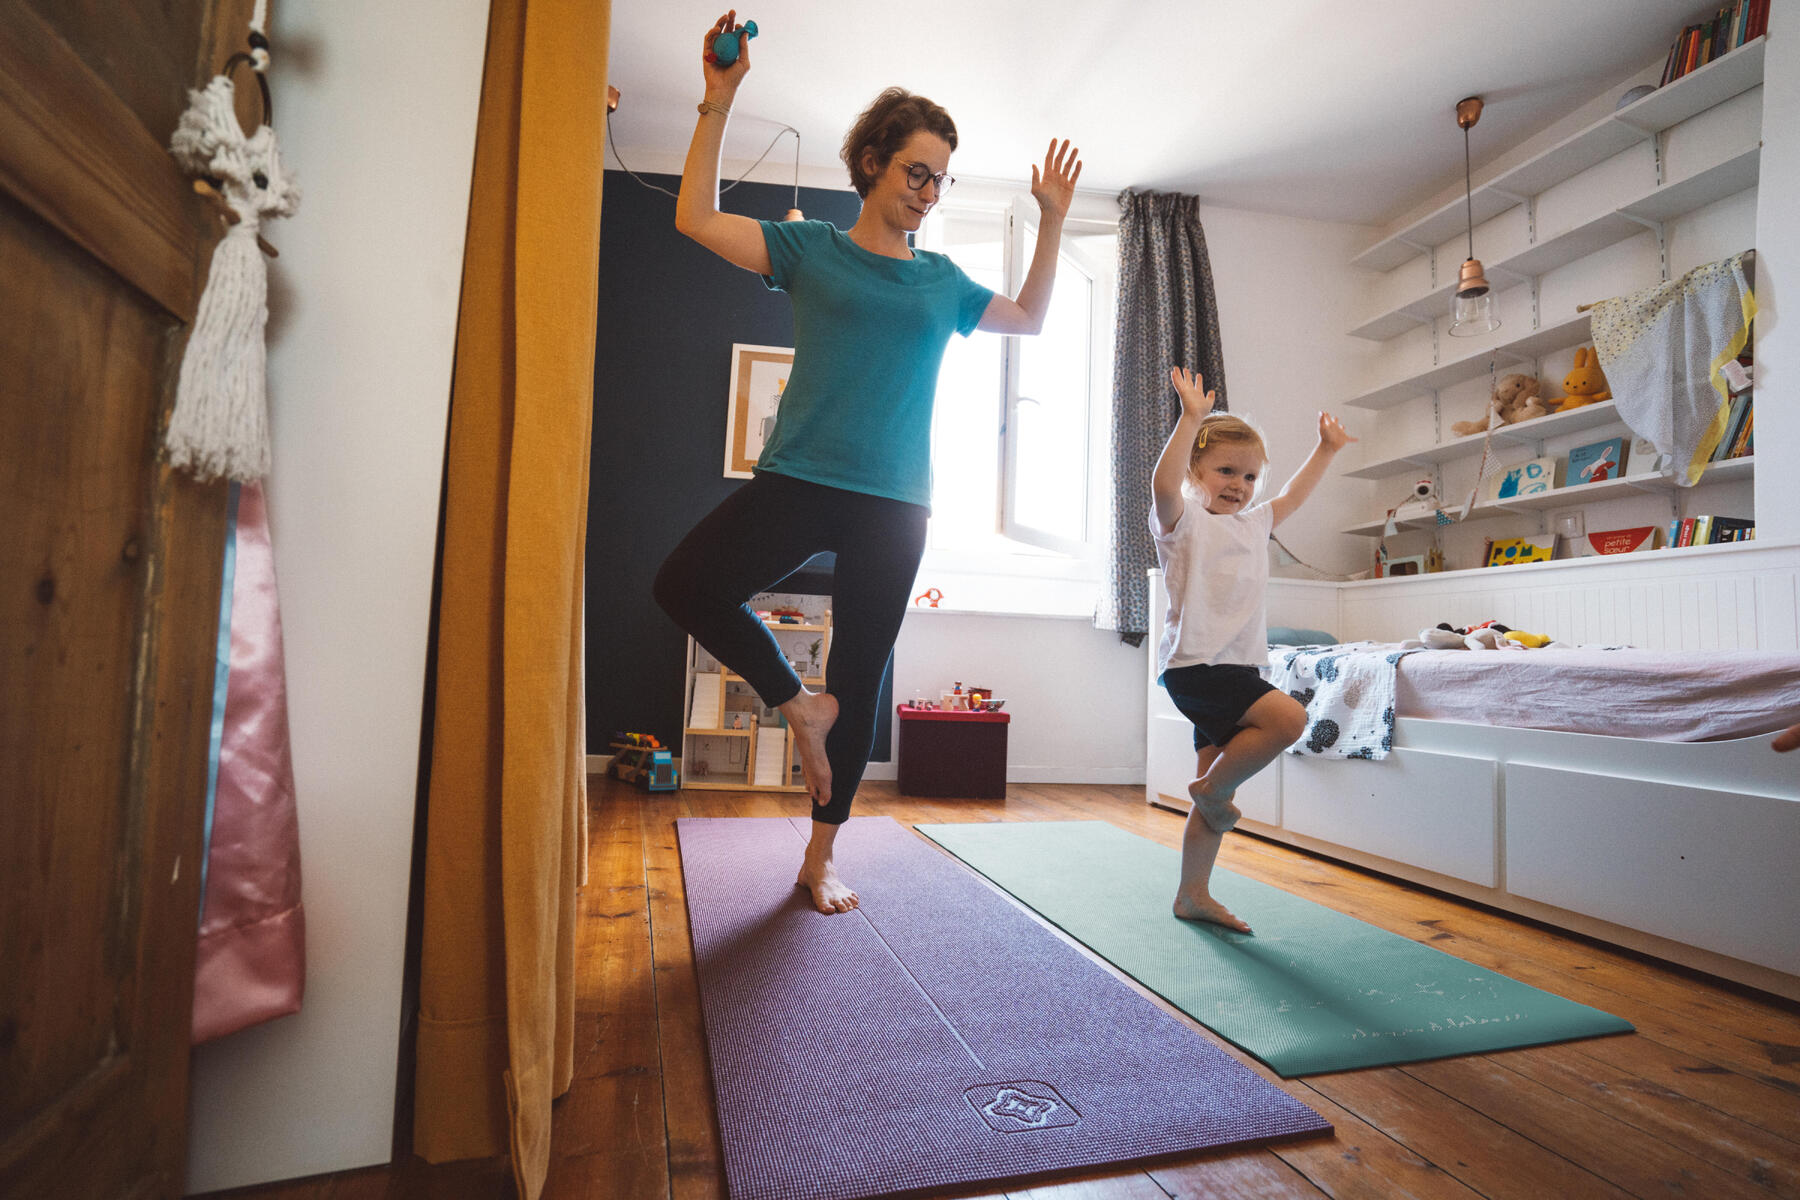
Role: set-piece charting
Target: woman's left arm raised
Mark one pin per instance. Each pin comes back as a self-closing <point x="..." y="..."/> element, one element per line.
<point x="1054" y="189"/>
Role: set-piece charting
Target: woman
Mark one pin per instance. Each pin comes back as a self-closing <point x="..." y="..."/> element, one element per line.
<point x="847" y="468"/>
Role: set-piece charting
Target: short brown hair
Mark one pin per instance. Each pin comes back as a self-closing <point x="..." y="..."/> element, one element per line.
<point x="1221" y="428"/>
<point x="883" y="128"/>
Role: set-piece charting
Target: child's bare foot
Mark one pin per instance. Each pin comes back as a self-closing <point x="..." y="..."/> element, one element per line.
<point x="1205" y="908"/>
<point x="1219" y="813"/>
<point x="830" y="894"/>
<point x="812" y="715"/>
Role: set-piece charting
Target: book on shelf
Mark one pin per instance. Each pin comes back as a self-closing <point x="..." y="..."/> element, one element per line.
<point x="1708" y="41"/>
<point x="1623" y="541"/>
<point x="1710" y="530"/>
<point x="1732" y="529"/>
<point x="1596" y="462"/>
<point x="1734" y="424"/>
<point x="1504" y="552"/>
<point x="1523" y="479"/>
<point x="1745" y="444"/>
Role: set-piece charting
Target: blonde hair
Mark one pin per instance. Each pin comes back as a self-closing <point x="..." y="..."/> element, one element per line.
<point x="1225" y="429"/>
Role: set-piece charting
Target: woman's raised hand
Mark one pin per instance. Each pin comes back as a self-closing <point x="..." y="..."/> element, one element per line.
<point x="1196" y="401"/>
<point x="1054" y="188"/>
<point x="721" y="81"/>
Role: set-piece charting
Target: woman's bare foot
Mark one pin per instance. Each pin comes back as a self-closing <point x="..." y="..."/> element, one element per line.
<point x="1219" y="813"/>
<point x="1205" y="908"/>
<point x="830" y="894"/>
<point x="812" y="714"/>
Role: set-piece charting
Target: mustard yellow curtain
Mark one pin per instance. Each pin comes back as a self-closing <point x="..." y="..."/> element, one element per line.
<point x="505" y="835"/>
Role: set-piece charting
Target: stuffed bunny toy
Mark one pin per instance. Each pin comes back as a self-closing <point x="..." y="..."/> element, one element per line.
<point x="1585" y="383"/>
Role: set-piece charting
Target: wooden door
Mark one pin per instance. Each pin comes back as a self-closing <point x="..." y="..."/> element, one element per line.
<point x="109" y="578"/>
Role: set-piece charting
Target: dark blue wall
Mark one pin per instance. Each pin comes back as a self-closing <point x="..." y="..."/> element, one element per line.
<point x="669" y="313"/>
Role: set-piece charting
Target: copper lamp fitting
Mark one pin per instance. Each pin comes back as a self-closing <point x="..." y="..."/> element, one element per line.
<point x="1468" y="111"/>
<point x="1471" y="282"/>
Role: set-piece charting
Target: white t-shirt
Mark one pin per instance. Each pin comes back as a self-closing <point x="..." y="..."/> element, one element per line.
<point x="1216" y="570"/>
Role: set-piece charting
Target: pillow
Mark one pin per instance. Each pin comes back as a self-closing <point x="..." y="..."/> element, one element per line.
<point x="1282" y="635"/>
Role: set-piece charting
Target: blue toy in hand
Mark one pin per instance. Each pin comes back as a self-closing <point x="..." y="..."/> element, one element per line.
<point x="727" y="46"/>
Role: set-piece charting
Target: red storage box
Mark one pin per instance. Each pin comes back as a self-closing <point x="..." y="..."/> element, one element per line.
<point x="952" y="753"/>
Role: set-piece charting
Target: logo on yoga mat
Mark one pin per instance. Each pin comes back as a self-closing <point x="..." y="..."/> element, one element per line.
<point x="1021" y="1106"/>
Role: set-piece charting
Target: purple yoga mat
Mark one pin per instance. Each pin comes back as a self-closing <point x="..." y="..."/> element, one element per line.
<point x="938" y="1035"/>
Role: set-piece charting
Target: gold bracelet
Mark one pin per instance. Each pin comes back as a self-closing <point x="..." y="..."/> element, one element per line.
<point x="706" y="106"/>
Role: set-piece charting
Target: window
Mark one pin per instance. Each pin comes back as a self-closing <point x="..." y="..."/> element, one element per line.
<point x="1020" y="432"/>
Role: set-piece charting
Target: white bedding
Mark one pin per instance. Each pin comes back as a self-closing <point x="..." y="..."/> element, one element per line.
<point x="1662" y="695"/>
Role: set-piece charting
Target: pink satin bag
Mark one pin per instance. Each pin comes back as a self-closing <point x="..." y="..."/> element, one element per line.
<point x="252" y="954"/>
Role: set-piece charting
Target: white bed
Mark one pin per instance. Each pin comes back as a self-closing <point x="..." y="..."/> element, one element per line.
<point x="1684" y="849"/>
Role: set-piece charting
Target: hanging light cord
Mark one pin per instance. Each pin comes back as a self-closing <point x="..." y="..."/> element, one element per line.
<point x="759" y="158"/>
<point x="1315" y="570"/>
<point x="1468" y="191"/>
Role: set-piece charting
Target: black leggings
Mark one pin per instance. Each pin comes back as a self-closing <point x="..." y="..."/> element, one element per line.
<point x="762" y="533"/>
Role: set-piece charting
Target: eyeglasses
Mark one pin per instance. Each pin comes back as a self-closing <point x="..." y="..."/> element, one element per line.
<point x="918" y="173"/>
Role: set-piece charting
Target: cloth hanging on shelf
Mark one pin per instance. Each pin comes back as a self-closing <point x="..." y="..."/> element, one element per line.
<point x="251" y="961"/>
<point x="1664" y="349"/>
<point x="220" y="426"/>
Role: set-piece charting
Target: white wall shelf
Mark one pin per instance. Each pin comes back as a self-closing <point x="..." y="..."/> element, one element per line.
<point x="1565" y="497"/>
<point x="1563" y="334"/>
<point x="1669" y="105"/>
<point x="1588" y="416"/>
<point x="1659" y="203"/>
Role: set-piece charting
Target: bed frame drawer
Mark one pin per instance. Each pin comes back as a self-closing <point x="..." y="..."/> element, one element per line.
<point x="1435" y="811"/>
<point x="1711" y="868"/>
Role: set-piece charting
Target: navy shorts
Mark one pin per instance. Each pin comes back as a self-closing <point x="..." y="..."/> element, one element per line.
<point x="1215" y="698"/>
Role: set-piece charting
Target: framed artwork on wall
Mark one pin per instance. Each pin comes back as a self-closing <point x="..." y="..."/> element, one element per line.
<point x="759" y="375"/>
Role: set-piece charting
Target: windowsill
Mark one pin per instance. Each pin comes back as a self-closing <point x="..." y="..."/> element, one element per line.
<point x="1011" y="616"/>
<point x="974" y="594"/>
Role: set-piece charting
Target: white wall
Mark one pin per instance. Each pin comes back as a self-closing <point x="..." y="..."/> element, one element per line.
<point x="376" y="110"/>
<point x="1286" y="297"/>
<point x="1075" y="693"/>
<point x="1778" y="259"/>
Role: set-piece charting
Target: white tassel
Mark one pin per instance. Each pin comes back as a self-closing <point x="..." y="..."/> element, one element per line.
<point x="220" y="426"/>
<point x="221" y="422"/>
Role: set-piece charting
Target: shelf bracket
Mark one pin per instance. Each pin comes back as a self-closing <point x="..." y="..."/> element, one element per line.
<point x="1536" y="316"/>
<point x="1662" y="239"/>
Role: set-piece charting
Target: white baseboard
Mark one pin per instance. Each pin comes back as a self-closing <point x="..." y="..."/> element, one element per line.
<point x="597" y="763"/>
<point x="1111" y="776"/>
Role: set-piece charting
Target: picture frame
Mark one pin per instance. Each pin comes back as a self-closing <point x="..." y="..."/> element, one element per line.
<point x="759" y="374"/>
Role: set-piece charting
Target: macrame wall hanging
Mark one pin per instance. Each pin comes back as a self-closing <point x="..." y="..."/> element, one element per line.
<point x="220" y="426"/>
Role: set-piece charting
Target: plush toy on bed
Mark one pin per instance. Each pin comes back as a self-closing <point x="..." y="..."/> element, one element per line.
<point x="1515" y="399"/>
<point x="1489" y="635"/>
<point x="1585" y="382"/>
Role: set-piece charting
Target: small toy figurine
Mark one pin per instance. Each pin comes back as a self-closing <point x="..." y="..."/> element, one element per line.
<point x="727" y="46"/>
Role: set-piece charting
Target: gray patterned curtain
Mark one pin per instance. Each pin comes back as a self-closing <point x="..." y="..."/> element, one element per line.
<point x="1167" y="316"/>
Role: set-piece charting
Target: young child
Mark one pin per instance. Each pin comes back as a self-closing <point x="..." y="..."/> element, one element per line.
<point x="1211" y="543"/>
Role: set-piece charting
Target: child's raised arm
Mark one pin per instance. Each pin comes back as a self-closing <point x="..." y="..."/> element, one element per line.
<point x="1171" y="466"/>
<point x="1332" y="438"/>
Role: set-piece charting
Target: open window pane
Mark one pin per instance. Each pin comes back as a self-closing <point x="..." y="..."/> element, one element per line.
<point x="966" y="419"/>
<point x="1050" y="431"/>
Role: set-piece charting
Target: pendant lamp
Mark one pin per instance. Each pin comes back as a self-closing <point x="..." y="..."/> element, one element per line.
<point x="1472" y="308"/>
<point x="794" y="213"/>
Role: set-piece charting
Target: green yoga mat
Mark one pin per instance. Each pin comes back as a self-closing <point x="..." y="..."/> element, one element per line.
<point x="1312" y="990"/>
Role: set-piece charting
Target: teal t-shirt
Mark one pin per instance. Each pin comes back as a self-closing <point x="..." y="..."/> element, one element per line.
<point x="869" y="336"/>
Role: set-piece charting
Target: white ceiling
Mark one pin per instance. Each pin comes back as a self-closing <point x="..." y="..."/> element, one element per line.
<point x="1331" y="110"/>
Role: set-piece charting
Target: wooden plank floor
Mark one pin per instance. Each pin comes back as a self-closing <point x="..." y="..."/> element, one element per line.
<point x="1702" y="1101"/>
